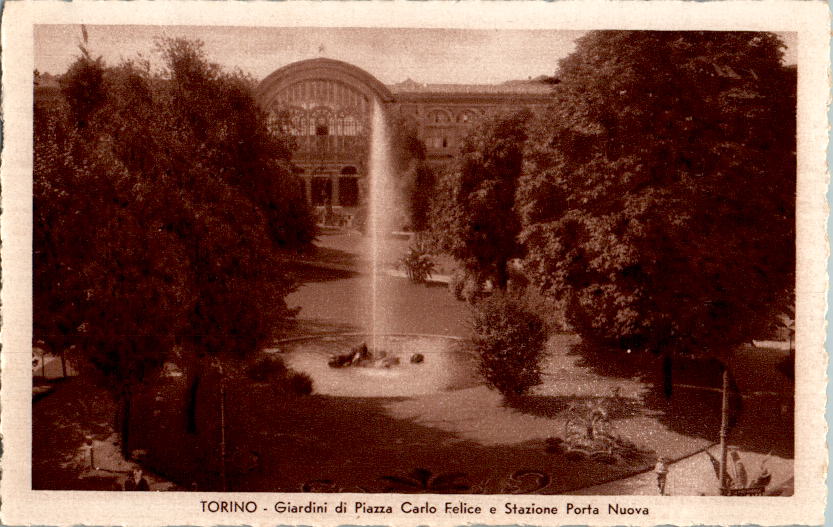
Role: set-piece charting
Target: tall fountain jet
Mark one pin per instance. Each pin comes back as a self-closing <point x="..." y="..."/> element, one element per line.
<point x="387" y="361"/>
<point x="381" y="212"/>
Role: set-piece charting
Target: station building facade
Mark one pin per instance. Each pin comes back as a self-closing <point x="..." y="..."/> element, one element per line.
<point x="328" y="107"/>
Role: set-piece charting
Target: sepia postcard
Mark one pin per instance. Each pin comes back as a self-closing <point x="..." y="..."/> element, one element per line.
<point x="414" y="263"/>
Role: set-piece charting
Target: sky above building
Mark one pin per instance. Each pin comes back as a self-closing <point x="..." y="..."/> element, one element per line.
<point x="391" y="55"/>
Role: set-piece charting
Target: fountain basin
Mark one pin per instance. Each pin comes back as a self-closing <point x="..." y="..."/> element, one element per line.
<point x="448" y="364"/>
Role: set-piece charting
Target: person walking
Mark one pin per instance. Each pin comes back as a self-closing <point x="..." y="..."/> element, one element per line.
<point x="661" y="470"/>
<point x="739" y="478"/>
<point x="136" y="481"/>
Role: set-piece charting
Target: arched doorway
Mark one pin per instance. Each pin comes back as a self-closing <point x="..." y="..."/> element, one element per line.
<point x="322" y="191"/>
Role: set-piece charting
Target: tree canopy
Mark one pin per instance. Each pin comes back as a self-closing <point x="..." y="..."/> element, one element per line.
<point x="474" y="216"/>
<point x="416" y="180"/>
<point x="658" y="198"/>
<point x="162" y="205"/>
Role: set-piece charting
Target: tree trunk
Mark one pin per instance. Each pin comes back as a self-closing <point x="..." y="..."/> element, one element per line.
<point x="668" y="374"/>
<point x="192" y="398"/>
<point x="124" y="425"/>
<point x="501" y="276"/>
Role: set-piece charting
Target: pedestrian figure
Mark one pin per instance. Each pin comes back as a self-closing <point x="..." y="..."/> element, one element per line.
<point x="764" y="476"/>
<point x="740" y="477"/>
<point x="661" y="470"/>
<point x="136" y="481"/>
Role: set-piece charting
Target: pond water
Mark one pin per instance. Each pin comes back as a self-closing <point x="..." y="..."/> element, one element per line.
<point x="448" y="364"/>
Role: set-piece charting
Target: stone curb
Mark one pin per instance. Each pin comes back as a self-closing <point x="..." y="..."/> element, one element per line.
<point x="364" y="334"/>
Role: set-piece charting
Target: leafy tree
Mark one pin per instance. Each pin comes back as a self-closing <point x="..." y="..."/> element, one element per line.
<point x="83" y="87"/>
<point x="419" y="188"/>
<point x="416" y="178"/>
<point x="659" y="197"/>
<point x="474" y="216"/>
<point x="162" y="203"/>
<point x="103" y="281"/>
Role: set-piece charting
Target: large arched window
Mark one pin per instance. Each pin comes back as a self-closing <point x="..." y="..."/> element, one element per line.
<point x="466" y="117"/>
<point x="322" y="191"/>
<point x="438" y="117"/>
<point x="437" y="142"/>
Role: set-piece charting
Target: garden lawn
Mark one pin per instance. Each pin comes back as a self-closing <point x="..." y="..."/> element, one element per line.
<point x="281" y="442"/>
<point x="334" y="301"/>
<point x="353" y="248"/>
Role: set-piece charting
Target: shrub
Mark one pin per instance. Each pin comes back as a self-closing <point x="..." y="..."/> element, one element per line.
<point x="455" y="285"/>
<point x="300" y="383"/>
<point x="510" y="341"/>
<point x="554" y="445"/>
<point x="418" y="263"/>
<point x="466" y="286"/>
<point x="273" y="370"/>
<point x="473" y="289"/>
<point x="266" y="369"/>
<point x="518" y="281"/>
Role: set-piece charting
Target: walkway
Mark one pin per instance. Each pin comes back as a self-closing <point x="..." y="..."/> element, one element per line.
<point x="694" y="476"/>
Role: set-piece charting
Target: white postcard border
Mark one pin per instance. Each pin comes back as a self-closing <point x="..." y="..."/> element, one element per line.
<point x="22" y="506"/>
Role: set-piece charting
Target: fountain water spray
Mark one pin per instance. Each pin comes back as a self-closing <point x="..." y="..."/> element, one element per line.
<point x="381" y="211"/>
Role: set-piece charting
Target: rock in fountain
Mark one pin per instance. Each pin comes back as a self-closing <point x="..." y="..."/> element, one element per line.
<point x="351" y="358"/>
<point x="363" y="357"/>
<point x="391" y="368"/>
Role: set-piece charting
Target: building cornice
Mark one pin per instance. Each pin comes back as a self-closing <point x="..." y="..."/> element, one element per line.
<point x="473" y="98"/>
